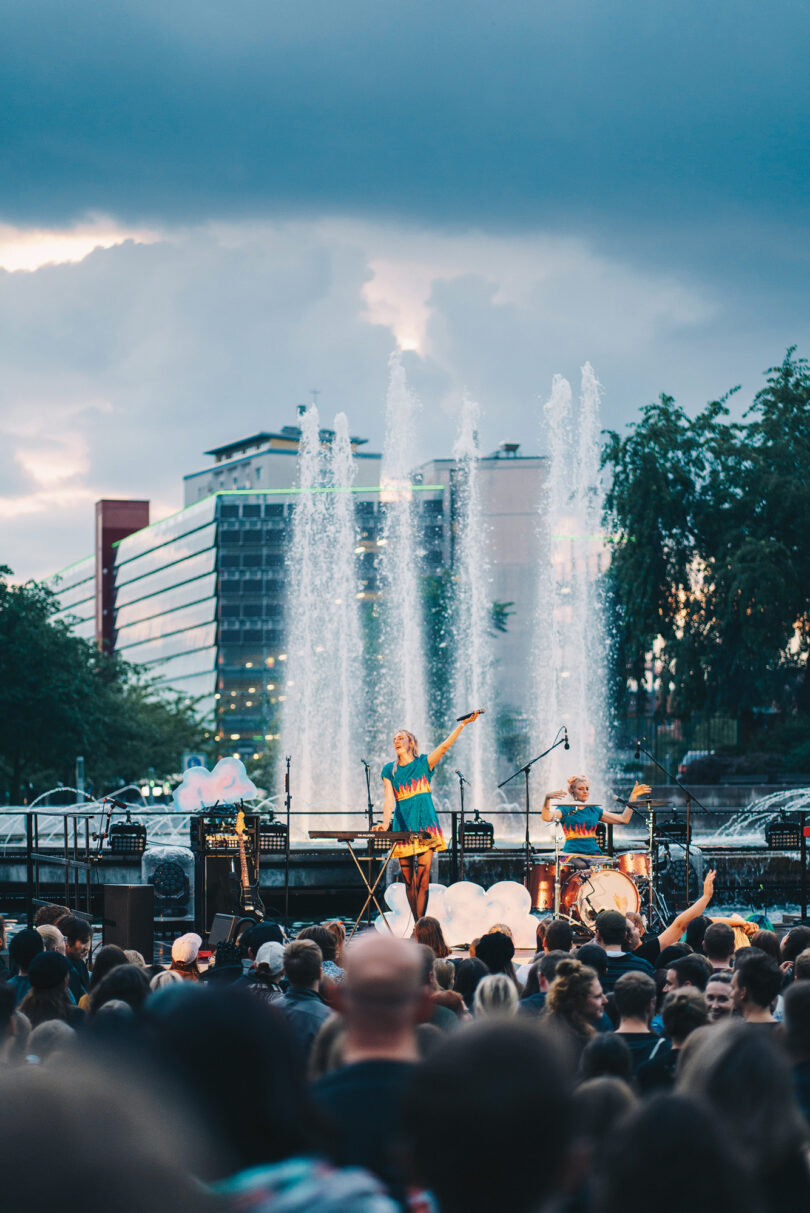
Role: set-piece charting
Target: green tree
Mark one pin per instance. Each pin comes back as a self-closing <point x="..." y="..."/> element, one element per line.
<point x="60" y="697"/>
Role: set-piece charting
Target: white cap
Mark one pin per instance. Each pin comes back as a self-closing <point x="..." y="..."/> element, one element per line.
<point x="272" y="955"/>
<point x="186" y="948"/>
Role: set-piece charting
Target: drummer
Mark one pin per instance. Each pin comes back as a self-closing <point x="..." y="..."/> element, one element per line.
<point x="580" y="819"/>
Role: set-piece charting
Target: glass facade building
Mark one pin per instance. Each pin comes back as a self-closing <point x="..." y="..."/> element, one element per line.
<point x="198" y="599"/>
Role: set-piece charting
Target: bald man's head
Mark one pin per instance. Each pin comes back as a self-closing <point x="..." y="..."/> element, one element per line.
<point x="383" y="989"/>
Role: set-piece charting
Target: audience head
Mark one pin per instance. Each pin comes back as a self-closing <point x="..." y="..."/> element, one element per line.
<point x="428" y="931"/>
<point x="696" y="931"/>
<point x="719" y="998"/>
<point x="106" y="959"/>
<point x="559" y="936"/>
<point x="610" y="928"/>
<point x="25" y="945"/>
<point x="496" y="950"/>
<point x="48" y="997"/>
<point x="444" y="972"/>
<point x="118" y="1145"/>
<point x="688" y="971"/>
<point x="78" y="936"/>
<point x="599" y="1103"/>
<point x="384" y="994"/>
<point x="747" y="1081"/>
<point x="135" y="957"/>
<point x="591" y="954"/>
<point x="797" y="1020"/>
<point x="683" y="1011"/>
<point x="495" y="996"/>
<point x="205" y="1040"/>
<point x="669" y="955"/>
<point x="801" y="966"/>
<point x="796" y="940"/>
<point x="52" y="937"/>
<point x="49" y="914"/>
<point x="303" y="964"/>
<point x="270" y="960"/>
<point x="670" y="1140"/>
<point x="766" y="941"/>
<point x="719" y="942"/>
<point x="547" y="968"/>
<point x="468" y="974"/>
<point x="606" y="1055"/>
<point x="575" y="997"/>
<point x="490" y="1093"/>
<point x="167" y="977"/>
<point x="635" y="930"/>
<point x="261" y="932"/>
<point x="51" y="1037"/>
<point x="756" y="980"/>
<point x="635" y="995"/>
<point x="324" y="938"/>
<point x="185" y="950"/>
<point x="125" y="983"/>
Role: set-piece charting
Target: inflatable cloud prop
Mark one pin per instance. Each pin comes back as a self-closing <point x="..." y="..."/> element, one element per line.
<point x="465" y="911"/>
<point x="226" y="784"/>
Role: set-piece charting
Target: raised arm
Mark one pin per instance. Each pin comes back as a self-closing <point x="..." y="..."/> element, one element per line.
<point x="442" y="749"/>
<point x="621" y="819"/>
<point x="547" y="813"/>
<point x="676" y="929"/>
<point x="388" y="806"/>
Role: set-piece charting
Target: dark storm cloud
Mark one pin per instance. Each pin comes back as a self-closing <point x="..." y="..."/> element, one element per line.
<point x="466" y="111"/>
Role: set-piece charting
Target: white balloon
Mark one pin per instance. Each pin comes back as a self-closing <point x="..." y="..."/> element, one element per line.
<point x="466" y="911"/>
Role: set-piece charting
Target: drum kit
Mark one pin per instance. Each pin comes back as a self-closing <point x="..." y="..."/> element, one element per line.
<point x="579" y="887"/>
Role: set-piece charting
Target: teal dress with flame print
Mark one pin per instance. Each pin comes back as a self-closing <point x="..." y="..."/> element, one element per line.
<point x="413" y="807"/>
<point x="579" y="822"/>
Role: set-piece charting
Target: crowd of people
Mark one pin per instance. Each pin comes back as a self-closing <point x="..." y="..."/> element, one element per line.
<point x="287" y="1074"/>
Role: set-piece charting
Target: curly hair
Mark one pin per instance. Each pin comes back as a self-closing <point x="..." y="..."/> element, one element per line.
<point x="568" y="993"/>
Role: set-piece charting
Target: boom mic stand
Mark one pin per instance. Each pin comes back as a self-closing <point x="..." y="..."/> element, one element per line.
<point x="524" y="770"/>
<point x="461" y="783"/>
<point x="690" y="800"/>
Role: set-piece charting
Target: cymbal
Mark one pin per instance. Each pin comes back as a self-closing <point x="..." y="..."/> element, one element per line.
<point x="652" y="804"/>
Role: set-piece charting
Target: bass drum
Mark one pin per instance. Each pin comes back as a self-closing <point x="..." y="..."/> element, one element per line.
<point x="586" y="894"/>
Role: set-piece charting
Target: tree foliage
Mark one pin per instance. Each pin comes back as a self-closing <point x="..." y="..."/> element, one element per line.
<point x="711" y="549"/>
<point x="60" y="697"/>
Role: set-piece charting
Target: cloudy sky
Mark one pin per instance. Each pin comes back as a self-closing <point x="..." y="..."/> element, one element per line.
<point x="208" y="210"/>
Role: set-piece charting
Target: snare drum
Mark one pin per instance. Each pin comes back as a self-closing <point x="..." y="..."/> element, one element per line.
<point x="585" y="894"/>
<point x="541" y="886"/>
<point x="635" y="864"/>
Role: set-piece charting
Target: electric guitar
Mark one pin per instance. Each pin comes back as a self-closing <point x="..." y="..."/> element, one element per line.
<point x="250" y="902"/>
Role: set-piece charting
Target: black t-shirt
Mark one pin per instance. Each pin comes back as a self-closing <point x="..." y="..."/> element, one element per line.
<point x="627" y="962"/>
<point x="640" y="1044"/>
<point x="657" y="1073"/>
<point x="361" y="1103"/>
<point x="649" y="949"/>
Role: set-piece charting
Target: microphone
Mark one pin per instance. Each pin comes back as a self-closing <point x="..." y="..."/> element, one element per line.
<point x="637" y="754"/>
<point x="469" y="716"/>
<point x="365" y="764"/>
<point x="566" y="746"/>
<point x="119" y="804"/>
<point x="461" y="777"/>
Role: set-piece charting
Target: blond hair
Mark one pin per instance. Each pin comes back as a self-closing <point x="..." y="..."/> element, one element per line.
<point x="574" y="780"/>
<point x="411" y="739"/>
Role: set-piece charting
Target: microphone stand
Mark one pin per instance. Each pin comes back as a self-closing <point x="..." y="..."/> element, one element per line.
<point x="461" y="783"/>
<point x="370" y="805"/>
<point x="524" y="770"/>
<point x="690" y="799"/>
<point x="287" y="804"/>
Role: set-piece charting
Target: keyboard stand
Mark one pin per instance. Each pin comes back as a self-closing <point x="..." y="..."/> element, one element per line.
<point x="370" y="888"/>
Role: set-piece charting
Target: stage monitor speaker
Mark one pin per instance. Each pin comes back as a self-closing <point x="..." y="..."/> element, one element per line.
<point x="223" y="929"/>
<point x="216" y="888"/>
<point x="129" y="917"/>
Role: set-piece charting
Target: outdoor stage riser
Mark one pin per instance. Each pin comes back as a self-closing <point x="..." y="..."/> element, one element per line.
<point x="745" y="876"/>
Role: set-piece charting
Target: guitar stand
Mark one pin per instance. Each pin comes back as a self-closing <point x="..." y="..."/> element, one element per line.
<point x="370" y="888"/>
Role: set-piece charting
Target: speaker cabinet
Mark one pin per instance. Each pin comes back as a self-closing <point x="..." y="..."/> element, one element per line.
<point x="129" y="912"/>
<point x="216" y="888"/>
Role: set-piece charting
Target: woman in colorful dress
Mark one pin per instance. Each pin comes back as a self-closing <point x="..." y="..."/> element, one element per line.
<point x="408" y="805"/>
<point x="580" y="819"/>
